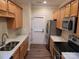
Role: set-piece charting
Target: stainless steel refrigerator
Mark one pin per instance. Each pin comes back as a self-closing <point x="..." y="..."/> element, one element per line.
<point x="50" y="30"/>
<point x="51" y="27"/>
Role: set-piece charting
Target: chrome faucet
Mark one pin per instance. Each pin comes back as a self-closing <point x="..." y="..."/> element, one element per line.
<point x="3" y="38"/>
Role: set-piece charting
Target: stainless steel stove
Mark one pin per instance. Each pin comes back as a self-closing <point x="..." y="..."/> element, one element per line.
<point x="71" y="46"/>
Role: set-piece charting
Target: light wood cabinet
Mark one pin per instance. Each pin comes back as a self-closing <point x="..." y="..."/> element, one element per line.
<point x="17" y="11"/>
<point x="55" y="15"/>
<point x="74" y="8"/>
<point x="21" y="52"/>
<point x="67" y="10"/>
<point x="16" y="54"/>
<point x="23" y="49"/>
<point x="3" y="8"/>
<point x="62" y="13"/>
<point x="3" y="5"/>
<point x="11" y="7"/>
<point x="18" y="17"/>
<point x="58" y="19"/>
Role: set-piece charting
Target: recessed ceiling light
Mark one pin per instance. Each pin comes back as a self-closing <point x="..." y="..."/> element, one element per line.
<point x="45" y="2"/>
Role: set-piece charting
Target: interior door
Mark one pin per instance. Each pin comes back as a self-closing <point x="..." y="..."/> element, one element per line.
<point x="38" y="30"/>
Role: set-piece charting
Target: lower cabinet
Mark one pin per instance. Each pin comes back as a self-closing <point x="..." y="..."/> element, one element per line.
<point x="16" y="54"/>
<point x="23" y="49"/>
<point x="21" y="52"/>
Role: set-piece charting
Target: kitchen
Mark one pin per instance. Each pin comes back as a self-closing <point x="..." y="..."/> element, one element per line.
<point x="39" y="29"/>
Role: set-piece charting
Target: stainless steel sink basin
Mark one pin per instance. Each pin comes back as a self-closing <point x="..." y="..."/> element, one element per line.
<point x="9" y="46"/>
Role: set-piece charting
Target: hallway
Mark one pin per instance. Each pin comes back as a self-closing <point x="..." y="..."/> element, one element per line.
<point x="38" y="52"/>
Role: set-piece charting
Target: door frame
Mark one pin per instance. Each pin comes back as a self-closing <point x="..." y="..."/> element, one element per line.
<point x="31" y="25"/>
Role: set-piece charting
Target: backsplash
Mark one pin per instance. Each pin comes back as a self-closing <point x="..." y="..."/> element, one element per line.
<point x="65" y="34"/>
<point x="4" y="29"/>
<point x="3" y="26"/>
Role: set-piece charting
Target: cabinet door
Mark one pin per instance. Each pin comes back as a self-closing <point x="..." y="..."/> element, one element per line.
<point x="18" y="17"/>
<point x="62" y="16"/>
<point x="22" y="53"/>
<point x="17" y="11"/>
<point x="67" y="10"/>
<point x="16" y="54"/>
<point x="22" y="50"/>
<point x="11" y="7"/>
<point x="58" y="19"/>
<point x="3" y="5"/>
<point x="25" y="47"/>
<point x="55" y="15"/>
<point x="74" y="8"/>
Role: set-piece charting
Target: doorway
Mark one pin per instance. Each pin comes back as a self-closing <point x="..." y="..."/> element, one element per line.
<point x="38" y="30"/>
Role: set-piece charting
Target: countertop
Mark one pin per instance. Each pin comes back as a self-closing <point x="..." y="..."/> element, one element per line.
<point x="8" y="54"/>
<point x="70" y="55"/>
<point x="58" y="39"/>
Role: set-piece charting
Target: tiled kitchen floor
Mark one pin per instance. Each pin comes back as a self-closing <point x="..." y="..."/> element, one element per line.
<point x="38" y="52"/>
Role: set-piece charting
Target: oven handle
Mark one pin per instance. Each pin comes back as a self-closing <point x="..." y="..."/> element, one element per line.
<point x="58" y="54"/>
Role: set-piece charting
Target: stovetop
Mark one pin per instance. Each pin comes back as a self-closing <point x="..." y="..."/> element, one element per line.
<point x="64" y="47"/>
<point x="69" y="46"/>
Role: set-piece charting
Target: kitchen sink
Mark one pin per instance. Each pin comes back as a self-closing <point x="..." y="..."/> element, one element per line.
<point x="9" y="46"/>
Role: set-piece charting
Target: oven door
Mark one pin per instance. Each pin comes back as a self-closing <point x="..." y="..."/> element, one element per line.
<point x="56" y="54"/>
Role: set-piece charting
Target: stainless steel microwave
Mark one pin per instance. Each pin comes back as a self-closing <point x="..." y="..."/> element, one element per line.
<point x="65" y="24"/>
<point x="70" y="24"/>
<point x="73" y="24"/>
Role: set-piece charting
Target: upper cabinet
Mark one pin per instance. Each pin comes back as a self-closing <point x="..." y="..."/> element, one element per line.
<point x="55" y="15"/>
<point x="74" y="8"/>
<point x="67" y="10"/>
<point x="13" y="12"/>
<point x="58" y="18"/>
<point x="11" y="7"/>
<point x="3" y="5"/>
<point x="62" y="15"/>
<point x="3" y="8"/>
<point x="18" y="17"/>
<point x="17" y="11"/>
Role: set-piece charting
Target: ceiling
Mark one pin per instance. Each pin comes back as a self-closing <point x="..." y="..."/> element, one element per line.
<point x="53" y="3"/>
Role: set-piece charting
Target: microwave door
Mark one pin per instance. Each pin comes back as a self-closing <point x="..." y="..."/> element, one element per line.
<point x="70" y="25"/>
<point x="65" y="24"/>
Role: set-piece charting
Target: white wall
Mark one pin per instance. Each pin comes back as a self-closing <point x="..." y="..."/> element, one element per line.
<point x="42" y="11"/>
<point x="27" y="20"/>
